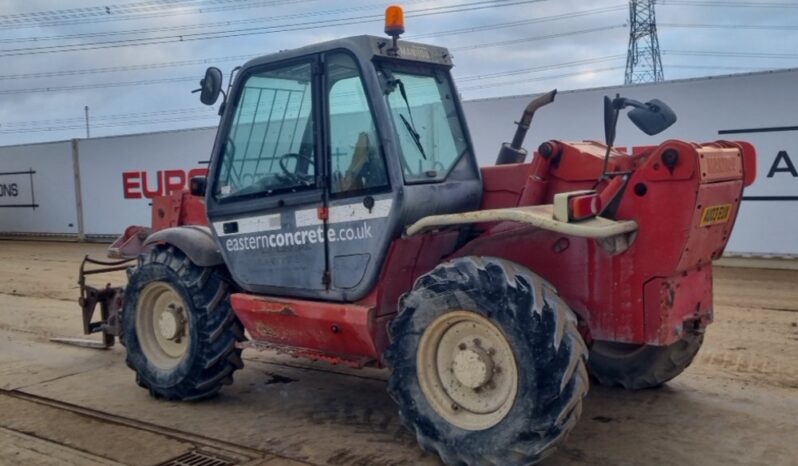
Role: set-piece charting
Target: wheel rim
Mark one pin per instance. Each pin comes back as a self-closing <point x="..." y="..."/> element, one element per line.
<point x="467" y="370"/>
<point x="162" y="325"/>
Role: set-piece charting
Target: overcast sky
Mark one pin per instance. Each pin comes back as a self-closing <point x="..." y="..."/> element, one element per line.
<point x="566" y="44"/>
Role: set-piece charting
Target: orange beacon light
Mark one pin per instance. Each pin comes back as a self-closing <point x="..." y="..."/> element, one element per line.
<point x="394" y="21"/>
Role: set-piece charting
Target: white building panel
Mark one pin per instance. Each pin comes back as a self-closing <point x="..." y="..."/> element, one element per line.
<point x="37" y="190"/>
<point x="120" y="175"/>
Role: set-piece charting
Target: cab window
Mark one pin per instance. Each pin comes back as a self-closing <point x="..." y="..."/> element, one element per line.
<point x="270" y="145"/>
<point x="356" y="158"/>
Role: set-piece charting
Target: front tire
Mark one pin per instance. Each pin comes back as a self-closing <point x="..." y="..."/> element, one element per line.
<point x="488" y="365"/>
<point x="178" y="327"/>
<point x="636" y="367"/>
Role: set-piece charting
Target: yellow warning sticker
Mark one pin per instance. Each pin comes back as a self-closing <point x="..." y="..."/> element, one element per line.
<point x="716" y="214"/>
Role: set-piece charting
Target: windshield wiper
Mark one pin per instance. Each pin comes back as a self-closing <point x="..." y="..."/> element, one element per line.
<point x="411" y="125"/>
<point x="416" y="136"/>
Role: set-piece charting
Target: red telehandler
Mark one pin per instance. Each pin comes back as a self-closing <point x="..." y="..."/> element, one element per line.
<point x="344" y="218"/>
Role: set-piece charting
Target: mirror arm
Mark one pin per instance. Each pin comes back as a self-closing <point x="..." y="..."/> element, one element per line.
<point x="619" y="103"/>
<point x="609" y="147"/>
<point x="224" y="102"/>
<point x="223" y="105"/>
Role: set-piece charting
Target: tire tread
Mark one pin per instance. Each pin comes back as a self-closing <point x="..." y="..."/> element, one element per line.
<point x="215" y="356"/>
<point x="452" y="285"/>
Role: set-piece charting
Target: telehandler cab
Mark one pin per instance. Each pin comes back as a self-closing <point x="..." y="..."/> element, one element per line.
<point x="348" y="221"/>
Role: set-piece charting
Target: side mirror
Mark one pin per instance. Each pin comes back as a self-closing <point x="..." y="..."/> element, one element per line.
<point x="197" y="186"/>
<point x="211" y="86"/>
<point x="653" y="117"/>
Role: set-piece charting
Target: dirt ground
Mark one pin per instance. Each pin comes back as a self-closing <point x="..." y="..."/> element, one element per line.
<point x="736" y="405"/>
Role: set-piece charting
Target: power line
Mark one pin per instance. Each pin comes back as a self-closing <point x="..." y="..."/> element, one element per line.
<point x="202" y="26"/>
<point x="586" y="61"/>
<point x="79" y="87"/>
<point x="65" y="122"/>
<point x="699" y="53"/>
<point x="536" y="38"/>
<point x="143" y="82"/>
<point x="523" y="22"/>
<point x="718" y="67"/>
<point x="89" y="17"/>
<point x="772" y="27"/>
<point x="113" y="69"/>
<point x="456" y="8"/>
<point x="260" y="20"/>
<point x="105" y="10"/>
<point x="119" y="116"/>
<point x="146" y="118"/>
<point x="544" y="78"/>
<point x="600" y="70"/>
<point x="701" y="3"/>
<point x="147" y="66"/>
<point x="109" y="125"/>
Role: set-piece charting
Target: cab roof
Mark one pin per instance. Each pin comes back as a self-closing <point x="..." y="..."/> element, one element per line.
<point x="365" y="47"/>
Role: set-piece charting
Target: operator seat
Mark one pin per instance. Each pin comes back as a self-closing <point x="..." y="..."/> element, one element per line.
<point x="366" y="169"/>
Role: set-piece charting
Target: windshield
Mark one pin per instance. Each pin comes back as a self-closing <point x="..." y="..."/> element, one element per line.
<point x="426" y="121"/>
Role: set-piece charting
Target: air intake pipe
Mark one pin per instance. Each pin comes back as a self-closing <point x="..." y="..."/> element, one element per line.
<point x="512" y="152"/>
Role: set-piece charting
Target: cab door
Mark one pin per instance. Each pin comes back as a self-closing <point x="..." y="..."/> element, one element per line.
<point x="361" y="201"/>
<point x="266" y="175"/>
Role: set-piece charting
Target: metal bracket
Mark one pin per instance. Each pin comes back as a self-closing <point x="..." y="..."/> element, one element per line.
<point x="109" y="298"/>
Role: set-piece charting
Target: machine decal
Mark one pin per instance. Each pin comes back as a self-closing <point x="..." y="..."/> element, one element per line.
<point x="716" y="214"/>
<point x="297" y="238"/>
<point x="246" y="225"/>
<point x="345" y="213"/>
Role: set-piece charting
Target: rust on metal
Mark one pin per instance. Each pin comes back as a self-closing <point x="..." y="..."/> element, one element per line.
<point x="720" y="164"/>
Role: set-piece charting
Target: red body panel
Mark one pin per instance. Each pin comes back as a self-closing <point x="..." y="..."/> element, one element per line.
<point x="316" y="330"/>
<point x="672" y="303"/>
<point x="178" y="208"/>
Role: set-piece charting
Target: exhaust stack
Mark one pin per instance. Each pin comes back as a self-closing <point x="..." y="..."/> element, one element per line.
<point x="512" y="152"/>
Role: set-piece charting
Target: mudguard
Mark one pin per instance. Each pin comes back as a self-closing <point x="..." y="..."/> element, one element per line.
<point x="195" y="241"/>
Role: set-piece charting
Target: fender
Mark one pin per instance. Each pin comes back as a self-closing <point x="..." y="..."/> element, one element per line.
<point x="195" y="241"/>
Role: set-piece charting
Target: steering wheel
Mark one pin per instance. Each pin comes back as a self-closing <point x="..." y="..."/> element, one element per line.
<point x="297" y="178"/>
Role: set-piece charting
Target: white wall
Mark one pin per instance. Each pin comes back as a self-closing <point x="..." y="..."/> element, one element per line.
<point x="704" y="106"/>
<point x="52" y="190"/>
<point x="103" y="161"/>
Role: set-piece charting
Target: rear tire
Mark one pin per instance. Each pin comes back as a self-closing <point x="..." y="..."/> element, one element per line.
<point x="484" y="314"/>
<point x="637" y="367"/>
<point x="178" y="326"/>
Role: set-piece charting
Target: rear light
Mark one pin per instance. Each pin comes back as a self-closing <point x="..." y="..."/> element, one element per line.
<point x="576" y="205"/>
<point x="581" y="205"/>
